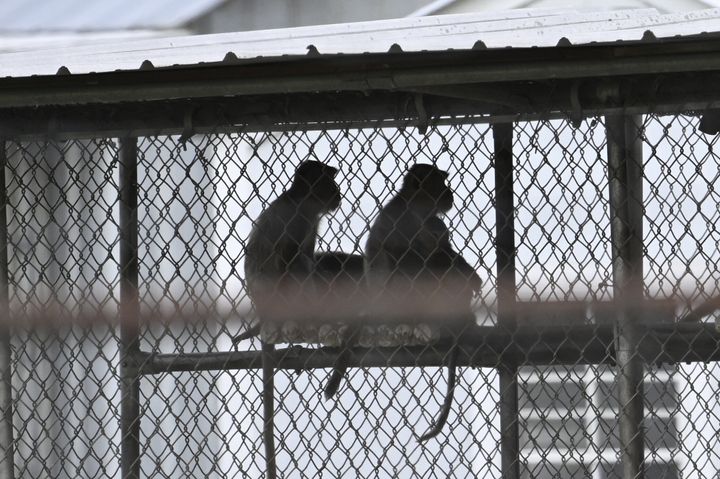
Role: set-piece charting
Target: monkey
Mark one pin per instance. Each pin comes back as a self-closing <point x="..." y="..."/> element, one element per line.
<point x="279" y="254"/>
<point x="279" y="264"/>
<point x="412" y="270"/>
<point x="408" y="250"/>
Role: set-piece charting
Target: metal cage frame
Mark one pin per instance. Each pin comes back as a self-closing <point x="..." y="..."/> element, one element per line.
<point x="414" y="90"/>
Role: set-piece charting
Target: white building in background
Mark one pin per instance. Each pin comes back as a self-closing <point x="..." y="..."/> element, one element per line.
<point x="444" y="7"/>
<point x="192" y="16"/>
<point x="32" y="24"/>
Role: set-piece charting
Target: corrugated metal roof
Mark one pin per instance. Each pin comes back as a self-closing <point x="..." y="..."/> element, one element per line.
<point x="20" y="43"/>
<point x="515" y="28"/>
<point x="81" y="15"/>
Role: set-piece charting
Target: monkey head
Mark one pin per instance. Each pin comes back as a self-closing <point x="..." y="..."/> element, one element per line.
<point x="314" y="183"/>
<point x="426" y="187"/>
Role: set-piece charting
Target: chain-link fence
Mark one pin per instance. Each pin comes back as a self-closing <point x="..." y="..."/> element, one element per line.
<point x="591" y="241"/>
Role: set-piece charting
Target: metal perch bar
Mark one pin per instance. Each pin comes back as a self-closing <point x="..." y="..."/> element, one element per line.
<point x="484" y="347"/>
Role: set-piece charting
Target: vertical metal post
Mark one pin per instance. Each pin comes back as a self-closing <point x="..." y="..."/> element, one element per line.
<point x="7" y="463"/>
<point x="625" y="183"/>
<point x="506" y="292"/>
<point x="268" y="375"/>
<point x="129" y="312"/>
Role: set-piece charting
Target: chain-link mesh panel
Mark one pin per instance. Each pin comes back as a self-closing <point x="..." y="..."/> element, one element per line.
<point x="198" y="199"/>
<point x="562" y="217"/>
<point x="681" y="213"/>
<point x="63" y="273"/>
<point x="681" y="241"/>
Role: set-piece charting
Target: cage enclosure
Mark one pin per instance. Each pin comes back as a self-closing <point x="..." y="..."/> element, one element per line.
<point x="583" y="164"/>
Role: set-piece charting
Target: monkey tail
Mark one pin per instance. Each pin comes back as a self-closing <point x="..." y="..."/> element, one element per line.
<point x="338" y="373"/>
<point x="439" y="423"/>
<point x="341" y="363"/>
<point x="250" y="333"/>
<point x="708" y="307"/>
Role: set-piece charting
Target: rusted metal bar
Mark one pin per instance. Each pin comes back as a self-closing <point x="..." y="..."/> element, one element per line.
<point x="506" y="292"/>
<point x="626" y="218"/>
<point x="7" y="463"/>
<point x="129" y="312"/>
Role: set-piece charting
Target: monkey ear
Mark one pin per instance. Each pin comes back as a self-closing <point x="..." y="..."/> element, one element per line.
<point x="333" y="171"/>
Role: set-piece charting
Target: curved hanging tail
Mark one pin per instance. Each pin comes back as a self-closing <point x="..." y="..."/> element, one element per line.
<point x="341" y="362"/>
<point x="439" y="423"/>
<point x="338" y="373"/>
<point x="704" y="309"/>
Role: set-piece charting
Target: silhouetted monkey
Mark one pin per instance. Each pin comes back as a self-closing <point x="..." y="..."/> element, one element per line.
<point x="279" y="255"/>
<point x="279" y="264"/>
<point x="413" y="272"/>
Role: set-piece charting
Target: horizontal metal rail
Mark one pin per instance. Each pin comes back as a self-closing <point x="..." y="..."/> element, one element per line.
<point x="455" y="104"/>
<point x="485" y="347"/>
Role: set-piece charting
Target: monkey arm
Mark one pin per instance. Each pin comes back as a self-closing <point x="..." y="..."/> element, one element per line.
<point x="459" y="265"/>
<point x="445" y="257"/>
<point x="295" y="245"/>
<point x="393" y="244"/>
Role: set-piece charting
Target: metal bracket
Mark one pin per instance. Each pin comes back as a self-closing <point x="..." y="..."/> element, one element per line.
<point x="421" y="112"/>
<point x="188" y="130"/>
<point x="576" y="115"/>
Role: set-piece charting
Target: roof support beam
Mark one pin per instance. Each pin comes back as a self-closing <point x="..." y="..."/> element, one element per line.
<point x="477" y="103"/>
<point x="361" y="73"/>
